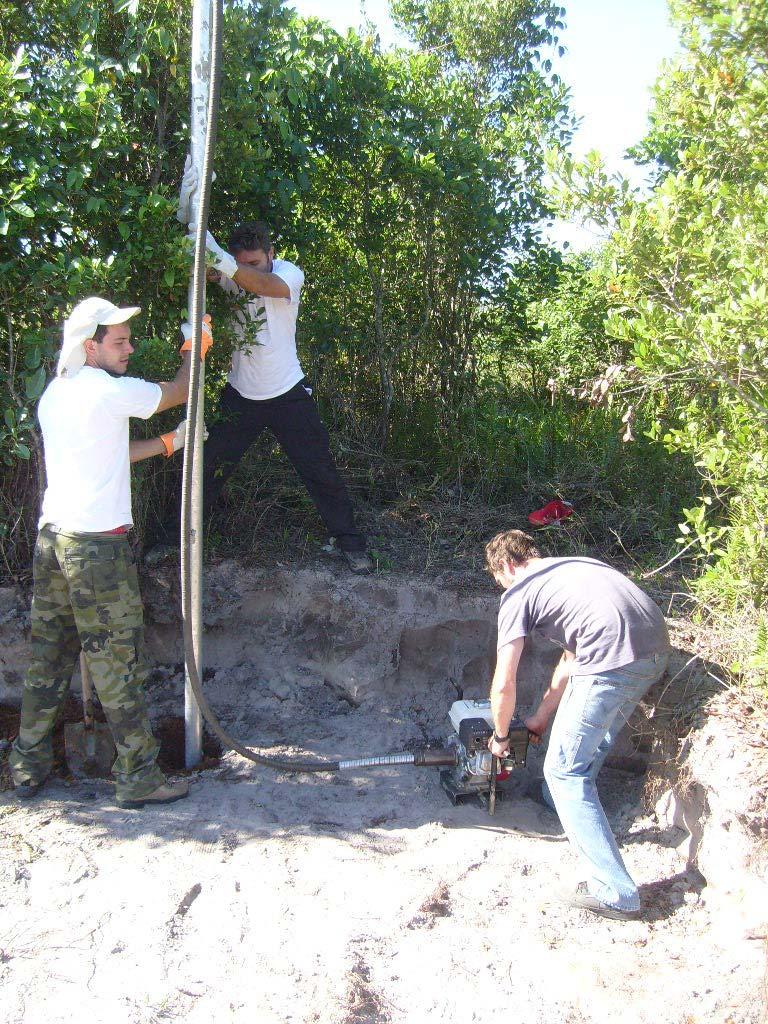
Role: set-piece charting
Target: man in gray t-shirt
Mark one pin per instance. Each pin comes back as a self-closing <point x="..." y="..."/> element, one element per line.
<point x="585" y="607"/>
<point x="615" y="646"/>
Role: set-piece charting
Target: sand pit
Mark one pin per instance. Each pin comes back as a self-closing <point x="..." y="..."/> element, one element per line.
<point x="345" y="899"/>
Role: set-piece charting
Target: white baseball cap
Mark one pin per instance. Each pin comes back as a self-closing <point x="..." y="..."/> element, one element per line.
<point x="81" y="324"/>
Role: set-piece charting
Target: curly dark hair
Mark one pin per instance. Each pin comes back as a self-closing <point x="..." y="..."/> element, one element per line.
<point x="254" y="234"/>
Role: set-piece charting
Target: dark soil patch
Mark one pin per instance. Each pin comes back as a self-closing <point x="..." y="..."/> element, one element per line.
<point x="170" y="733"/>
<point x="9" y="721"/>
<point x="662" y="898"/>
<point x="363" y="1004"/>
<point x="437" y="904"/>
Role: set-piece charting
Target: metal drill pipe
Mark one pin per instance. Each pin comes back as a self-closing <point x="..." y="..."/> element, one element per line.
<point x="201" y="130"/>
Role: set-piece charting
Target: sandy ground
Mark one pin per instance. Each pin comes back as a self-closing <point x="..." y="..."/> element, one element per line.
<point x="351" y="899"/>
<point x="346" y="900"/>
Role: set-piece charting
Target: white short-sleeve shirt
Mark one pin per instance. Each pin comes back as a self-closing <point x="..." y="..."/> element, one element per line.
<point x="267" y="364"/>
<point x="84" y="420"/>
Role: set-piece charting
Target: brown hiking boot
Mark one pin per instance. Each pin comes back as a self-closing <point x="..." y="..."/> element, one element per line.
<point x="168" y="793"/>
<point x="27" y="789"/>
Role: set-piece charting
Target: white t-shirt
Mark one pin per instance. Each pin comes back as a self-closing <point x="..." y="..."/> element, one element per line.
<point x="267" y="365"/>
<point x="84" y="420"/>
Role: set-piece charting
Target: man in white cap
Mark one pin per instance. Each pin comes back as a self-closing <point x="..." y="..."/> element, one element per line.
<point x="86" y="591"/>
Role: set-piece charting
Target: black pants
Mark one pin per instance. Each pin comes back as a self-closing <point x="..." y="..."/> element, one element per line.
<point x="295" y="422"/>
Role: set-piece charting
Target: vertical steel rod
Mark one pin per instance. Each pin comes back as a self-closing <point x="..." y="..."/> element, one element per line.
<point x="201" y="68"/>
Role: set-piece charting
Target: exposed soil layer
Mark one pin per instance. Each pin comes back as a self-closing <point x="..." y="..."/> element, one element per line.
<point x="366" y="897"/>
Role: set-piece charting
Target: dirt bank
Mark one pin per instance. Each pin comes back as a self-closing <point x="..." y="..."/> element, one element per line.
<point x="366" y="897"/>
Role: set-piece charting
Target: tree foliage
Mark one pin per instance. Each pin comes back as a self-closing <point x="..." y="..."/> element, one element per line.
<point x="569" y="345"/>
<point x="406" y="183"/>
<point x="691" y="266"/>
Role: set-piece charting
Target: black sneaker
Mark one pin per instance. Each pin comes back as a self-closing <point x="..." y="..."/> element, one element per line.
<point x="27" y="789"/>
<point x="359" y="562"/>
<point x="580" y="897"/>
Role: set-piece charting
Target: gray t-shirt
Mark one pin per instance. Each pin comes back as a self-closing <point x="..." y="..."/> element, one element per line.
<point x="585" y="607"/>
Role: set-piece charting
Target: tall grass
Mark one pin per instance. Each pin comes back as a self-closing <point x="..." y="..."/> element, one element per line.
<point x="514" y="449"/>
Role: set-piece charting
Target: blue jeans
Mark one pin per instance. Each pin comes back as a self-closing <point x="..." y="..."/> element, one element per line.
<point x="590" y="716"/>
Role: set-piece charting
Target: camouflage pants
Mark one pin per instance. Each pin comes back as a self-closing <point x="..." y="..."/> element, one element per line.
<point x="86" y="594"/>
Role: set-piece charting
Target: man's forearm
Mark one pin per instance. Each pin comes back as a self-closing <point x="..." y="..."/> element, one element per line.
<point x="258" y="282"/>
<point x="542" y="716"/>
<point x="503" y="693"/>
<point x="175" y="391"/>
<point x="140" y="450"/>
<point x="503" y="701"/>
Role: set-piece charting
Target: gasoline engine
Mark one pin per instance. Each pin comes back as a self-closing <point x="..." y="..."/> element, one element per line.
<point x="467" y="767"/>
<point x="474" y="773"/>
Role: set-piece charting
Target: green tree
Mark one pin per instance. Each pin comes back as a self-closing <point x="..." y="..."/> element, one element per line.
<point x="407" y="183"/>
<point x="550" y="322"/>
<point x="429" y="193"/>
<point x="692" y="267"/>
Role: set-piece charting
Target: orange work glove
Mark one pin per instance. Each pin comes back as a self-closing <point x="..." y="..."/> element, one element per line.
<point x="174" y="440"/>
<point x="207" y="339"/>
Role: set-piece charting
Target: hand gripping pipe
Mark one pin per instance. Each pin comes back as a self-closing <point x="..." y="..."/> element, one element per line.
<point x="421" y="758"/>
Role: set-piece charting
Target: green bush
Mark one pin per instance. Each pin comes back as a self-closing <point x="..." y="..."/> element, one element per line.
<point x="691" y="266"/>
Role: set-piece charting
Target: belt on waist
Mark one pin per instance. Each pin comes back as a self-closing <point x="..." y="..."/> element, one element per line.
<point x="87" y="533"/>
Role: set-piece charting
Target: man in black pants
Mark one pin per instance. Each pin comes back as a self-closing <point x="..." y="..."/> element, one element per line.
<point x="267" y="388"/>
